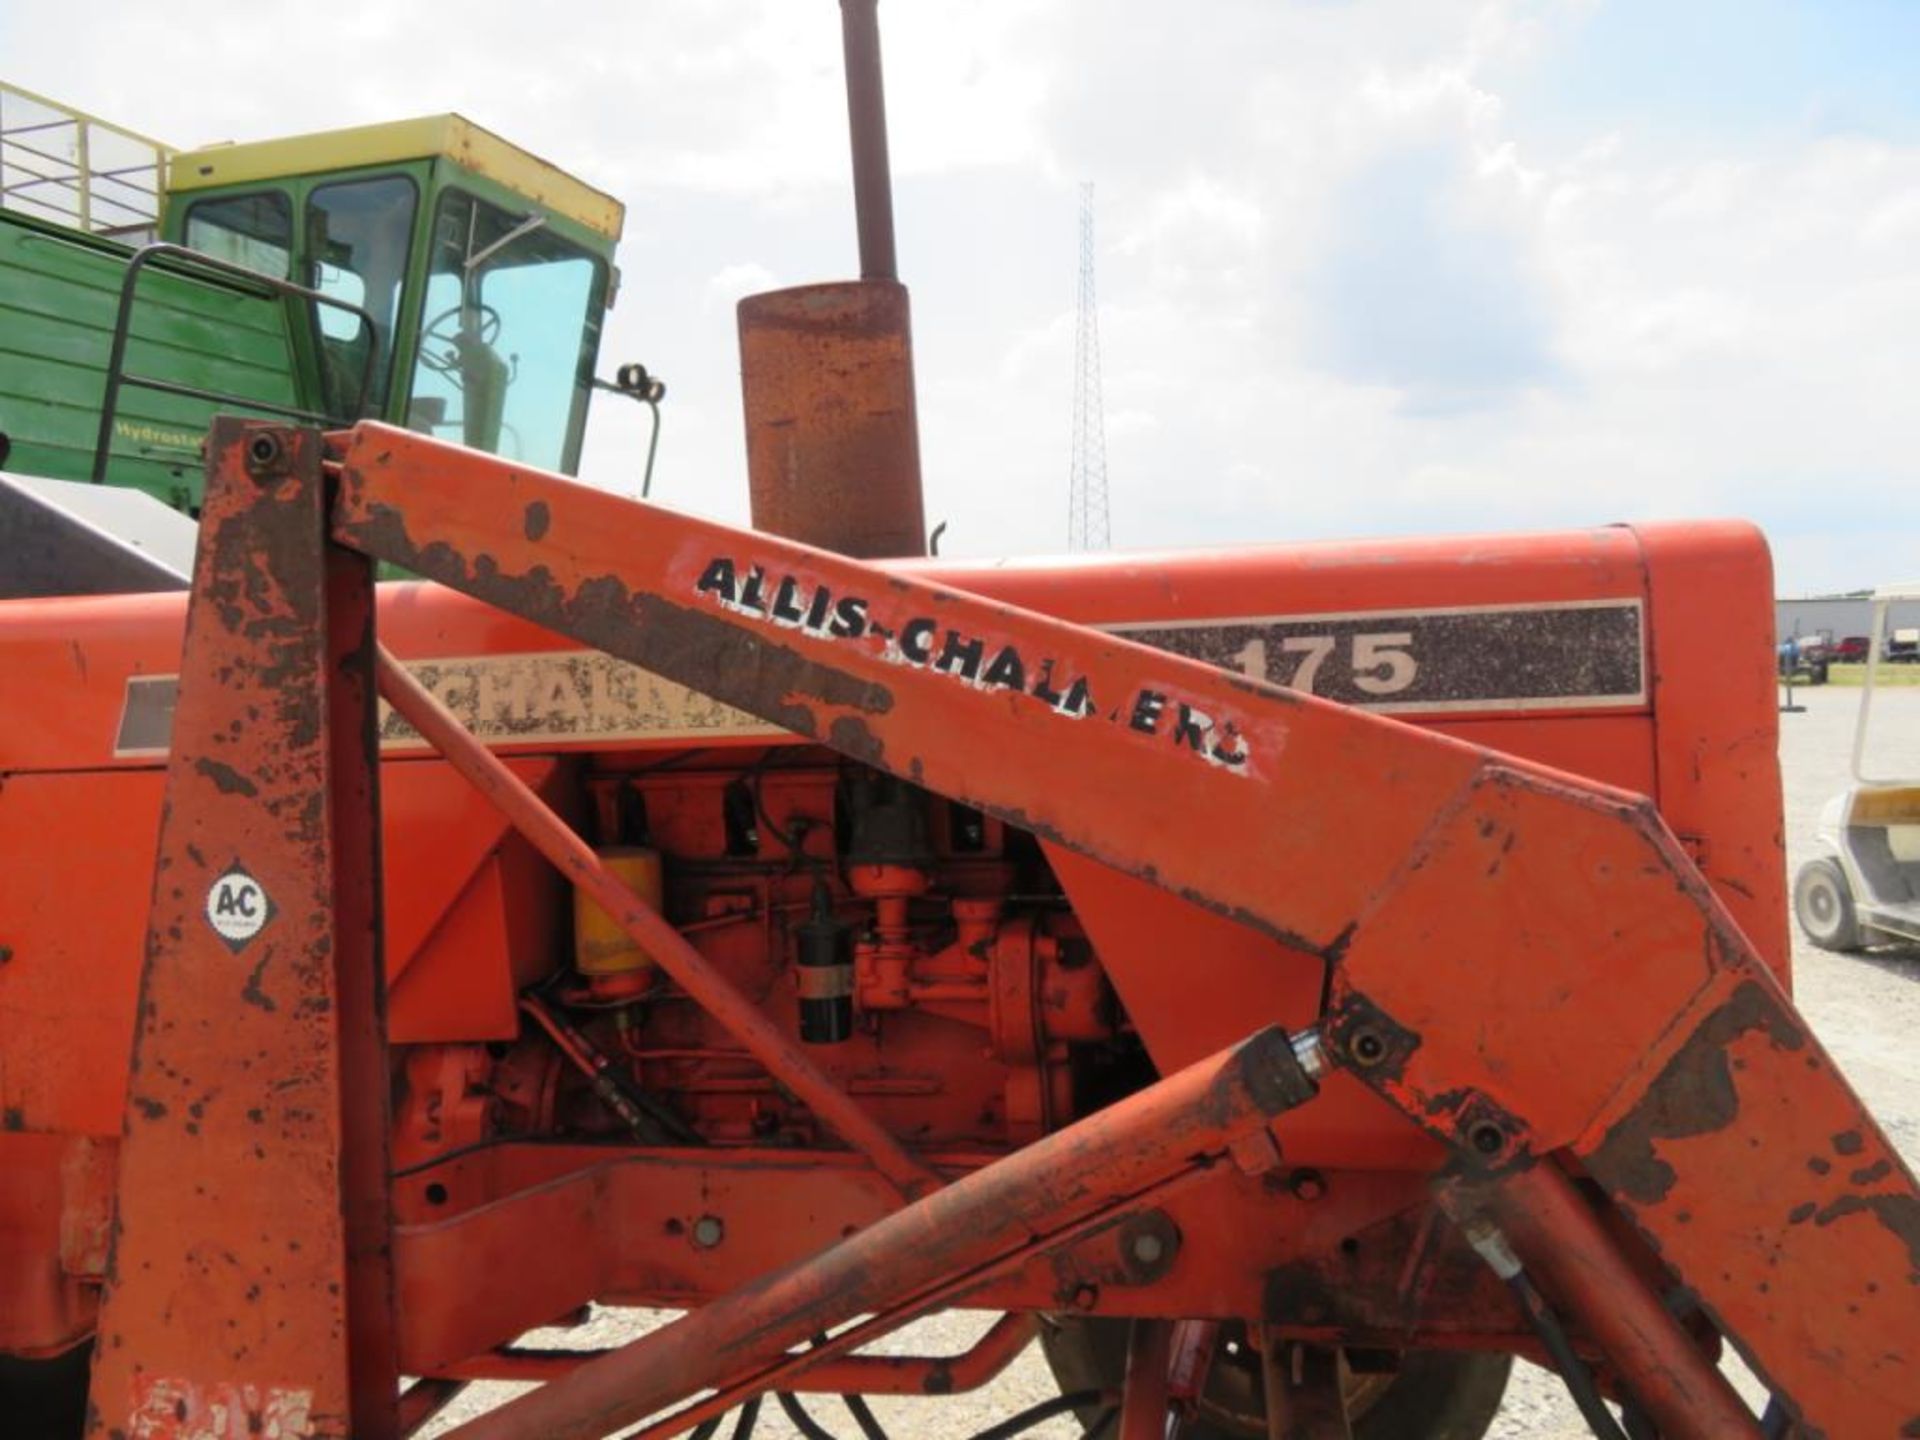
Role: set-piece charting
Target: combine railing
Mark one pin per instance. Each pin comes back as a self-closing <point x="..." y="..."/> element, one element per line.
<point x="60" y="164"/>
<point x="192" y="265"/>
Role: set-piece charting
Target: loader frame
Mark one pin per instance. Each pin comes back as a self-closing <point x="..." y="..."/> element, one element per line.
<point x="1526" y="964"/>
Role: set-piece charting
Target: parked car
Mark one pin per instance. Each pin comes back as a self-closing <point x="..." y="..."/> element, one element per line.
<point x="1851" y="650"/>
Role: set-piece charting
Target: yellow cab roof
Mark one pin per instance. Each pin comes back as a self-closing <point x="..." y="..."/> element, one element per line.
<point x="429" y="137"/>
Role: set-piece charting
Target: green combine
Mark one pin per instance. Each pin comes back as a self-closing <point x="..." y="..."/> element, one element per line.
<point x="423" y="272"/>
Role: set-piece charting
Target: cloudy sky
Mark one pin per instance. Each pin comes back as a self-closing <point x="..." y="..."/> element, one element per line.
<point x="1392" y="266"/>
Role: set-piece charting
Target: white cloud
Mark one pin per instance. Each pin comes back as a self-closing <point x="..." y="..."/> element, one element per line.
<point x="1358" y="275"/>
<point x="730" y="282"/>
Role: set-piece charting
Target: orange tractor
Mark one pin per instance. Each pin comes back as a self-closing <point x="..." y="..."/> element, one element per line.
<point x="1289" y="981"/>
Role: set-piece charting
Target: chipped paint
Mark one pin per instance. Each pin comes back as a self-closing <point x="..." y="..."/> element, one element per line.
<point x="1693" y="1095"/>
<point x="166" y="1408"/>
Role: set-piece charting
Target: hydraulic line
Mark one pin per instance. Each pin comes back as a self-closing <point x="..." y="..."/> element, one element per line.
<point x="802" y="1421"/>
<point x="651" y="1122"/>
<point x="1059" y="1405"/>
<point x="864" y="1417"/>
<point x="1017" y="1424"/>
<point x="857" y="1407"/>
<point x="1539" y="1212"/>
<point x="1573" y="1370"/>
<point x="1493" y="1247"/>
<point x="1013" y="1425"/>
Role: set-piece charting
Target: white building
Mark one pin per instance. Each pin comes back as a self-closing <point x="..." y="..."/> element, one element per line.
<point x="1839" y="615"/>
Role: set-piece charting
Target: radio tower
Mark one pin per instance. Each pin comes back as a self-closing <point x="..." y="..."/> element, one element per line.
<point x="1087" y="484"/>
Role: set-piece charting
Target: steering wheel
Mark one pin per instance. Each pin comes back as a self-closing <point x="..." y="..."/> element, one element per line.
<point x="445" y="330"/>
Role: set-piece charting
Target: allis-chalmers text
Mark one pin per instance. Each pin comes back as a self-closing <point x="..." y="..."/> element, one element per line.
<point x="793" y="603"/>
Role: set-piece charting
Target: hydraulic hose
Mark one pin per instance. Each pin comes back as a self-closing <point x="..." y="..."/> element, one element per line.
<point x="863" y="1416"/>
<point x="802" y="1421"/>
<point x="1491" y="1244"/>
<point x="1573" y="1370"/>
<point x="1059" y="1405"/>
<point x="1013" y="1425"/>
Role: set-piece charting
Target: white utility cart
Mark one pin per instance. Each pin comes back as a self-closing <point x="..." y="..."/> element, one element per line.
<point x="1864" y="888"/>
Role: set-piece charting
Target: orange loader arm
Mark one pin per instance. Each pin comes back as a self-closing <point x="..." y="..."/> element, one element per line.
<point x="1526" y="964"/>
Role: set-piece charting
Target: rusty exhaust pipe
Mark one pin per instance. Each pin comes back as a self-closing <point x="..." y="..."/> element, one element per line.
<point x="826" y="371"/>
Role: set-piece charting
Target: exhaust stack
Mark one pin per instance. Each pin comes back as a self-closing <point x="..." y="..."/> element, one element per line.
<point x="833" y="439"/>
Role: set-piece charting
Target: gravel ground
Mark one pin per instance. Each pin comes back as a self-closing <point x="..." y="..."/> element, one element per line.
<point x="1865" y="1009"/>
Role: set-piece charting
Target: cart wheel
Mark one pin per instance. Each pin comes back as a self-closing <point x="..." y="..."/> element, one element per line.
<point x="1823" y="905"/>
<point x="1434" y="1395"/>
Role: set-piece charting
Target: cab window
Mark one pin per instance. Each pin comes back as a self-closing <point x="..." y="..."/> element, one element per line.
<point x="504" y="356"/>
<point x="357" y="234"/>
<point x="251" y="230"/>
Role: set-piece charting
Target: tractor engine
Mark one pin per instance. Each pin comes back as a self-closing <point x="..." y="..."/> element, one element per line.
<point x="921" y="950"/>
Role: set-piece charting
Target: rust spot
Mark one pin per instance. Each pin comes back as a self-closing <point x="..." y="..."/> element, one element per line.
<point x="1898" y="1214"/>
<point x="251" y="991"/>
<point x="705" y="652"/>
<point x="539" y="518"/>
<point x="13" y="1118"/>
<point x="1694" y="1094"/>
<point x="1848" y="1142"/>
<point x="229" y="780"/>
<point x="853" y="737"/>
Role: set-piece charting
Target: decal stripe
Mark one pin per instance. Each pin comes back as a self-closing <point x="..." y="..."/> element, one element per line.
<point x="1554" y="655"/>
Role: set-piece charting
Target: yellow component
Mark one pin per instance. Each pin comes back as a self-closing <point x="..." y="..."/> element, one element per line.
<point x="430" y="137"/>
<point x="1890" y="806"/>
<point x="600" y="947"/>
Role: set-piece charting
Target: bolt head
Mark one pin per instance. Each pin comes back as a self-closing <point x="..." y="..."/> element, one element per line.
<point x="708" y="1231"/>
<point x="1148" y="1248"/>
<point x="263" y="452"/>
<point x="1487" y="1138"/>
<point x="1307" y="1184"/>
<point x="1367" y="1046"/>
